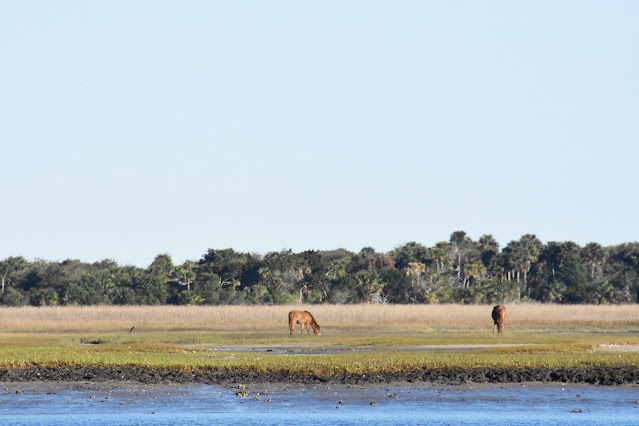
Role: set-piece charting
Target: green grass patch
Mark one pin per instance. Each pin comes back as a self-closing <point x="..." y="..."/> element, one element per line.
<point x="347" y="350"/>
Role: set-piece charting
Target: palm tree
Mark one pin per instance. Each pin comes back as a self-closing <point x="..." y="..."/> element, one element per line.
<point x="462" y="246"/>
<point x="594" y="254"/>
<point x="10" y="268"/>
<point x="439" y="255"/>
<point x="523" y="253"/>
<point x="488" y="247"/>
<point x="531" y="247"/>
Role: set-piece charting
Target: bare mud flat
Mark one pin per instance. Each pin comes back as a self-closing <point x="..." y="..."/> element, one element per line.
<point x="229" y="377"/>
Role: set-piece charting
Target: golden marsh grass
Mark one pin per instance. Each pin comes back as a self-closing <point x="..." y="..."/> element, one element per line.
<point x="354" y="337"/>
<point x="454" y="317"/>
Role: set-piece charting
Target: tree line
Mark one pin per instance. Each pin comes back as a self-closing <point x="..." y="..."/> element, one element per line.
<point x="459" y="270"/>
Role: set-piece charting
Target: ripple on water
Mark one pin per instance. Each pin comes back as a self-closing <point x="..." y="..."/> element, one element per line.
<point x="275" y="404"/>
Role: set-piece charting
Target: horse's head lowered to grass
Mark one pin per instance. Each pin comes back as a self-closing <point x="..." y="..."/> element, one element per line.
<point x="305" y="319"/>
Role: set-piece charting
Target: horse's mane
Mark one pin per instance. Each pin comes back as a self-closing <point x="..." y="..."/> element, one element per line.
<point x="313" y="322"/>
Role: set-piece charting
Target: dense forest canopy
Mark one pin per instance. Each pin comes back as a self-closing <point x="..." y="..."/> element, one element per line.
<point x="459" y="270"/>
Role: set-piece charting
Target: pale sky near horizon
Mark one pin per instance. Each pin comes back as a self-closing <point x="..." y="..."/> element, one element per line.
<point x="134" y="128"/>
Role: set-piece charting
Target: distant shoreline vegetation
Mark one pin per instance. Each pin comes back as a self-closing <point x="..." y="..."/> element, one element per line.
<point x="459" y="270"/>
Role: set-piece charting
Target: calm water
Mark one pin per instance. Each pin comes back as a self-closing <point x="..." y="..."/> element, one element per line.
<point x="203" y="405"/>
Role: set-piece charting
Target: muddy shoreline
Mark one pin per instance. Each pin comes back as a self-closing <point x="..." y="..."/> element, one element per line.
<point x="131" y="374"/>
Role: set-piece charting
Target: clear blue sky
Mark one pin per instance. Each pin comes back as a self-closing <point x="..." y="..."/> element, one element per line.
<point x="134" y="128"/>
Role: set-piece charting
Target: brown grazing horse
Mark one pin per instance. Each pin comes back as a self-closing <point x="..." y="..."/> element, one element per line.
<point x="499" y="317"/>
<point x="305" y="319"/>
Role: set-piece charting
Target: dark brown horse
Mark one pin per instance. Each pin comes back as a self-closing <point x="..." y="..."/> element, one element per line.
<point x="305" y="319"/>
<point x="499" y="317"/>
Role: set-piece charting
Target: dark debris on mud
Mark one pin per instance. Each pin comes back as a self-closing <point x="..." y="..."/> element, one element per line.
<point x="592" y="375"/>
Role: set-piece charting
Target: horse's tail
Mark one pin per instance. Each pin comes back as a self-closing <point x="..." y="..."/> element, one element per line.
<point x="501" y="319"/>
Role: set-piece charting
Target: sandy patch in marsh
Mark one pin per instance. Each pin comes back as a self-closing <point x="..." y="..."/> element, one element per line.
<point x="618" y="348"/>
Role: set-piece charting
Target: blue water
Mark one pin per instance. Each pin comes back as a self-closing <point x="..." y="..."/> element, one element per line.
<point x="37" y="404"/>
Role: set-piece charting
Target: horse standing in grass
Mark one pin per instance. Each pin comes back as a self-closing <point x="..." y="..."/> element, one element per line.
<point x="305" y="319"/>
<point x="499" y="317"/>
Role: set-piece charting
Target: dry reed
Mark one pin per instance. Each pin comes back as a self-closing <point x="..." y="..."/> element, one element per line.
<point x="57" y="318"/>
